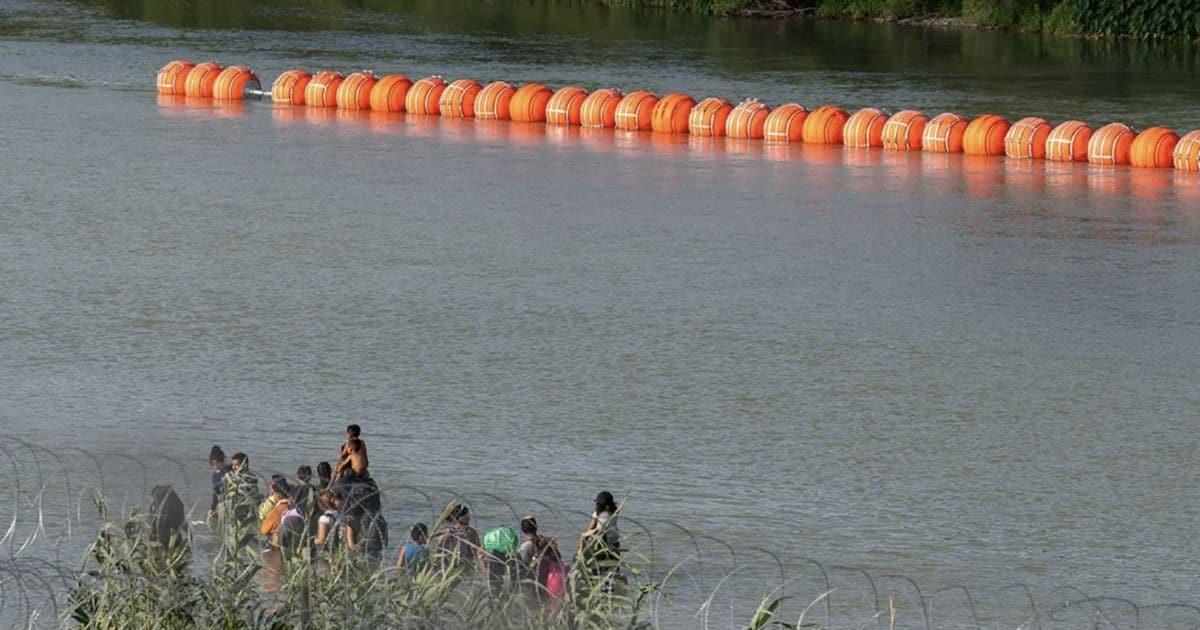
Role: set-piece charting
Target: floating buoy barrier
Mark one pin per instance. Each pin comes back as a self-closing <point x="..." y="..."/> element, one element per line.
<point x="1068" y="142"/>
<point x="672" y="113"/>
<point x="458" y="99"/>
<point x="944" y="134"/>
<point x="1110" y="144"/>
<point x="1187" y="152"/>
<point x="200" y="79"/>
<point x="389" y="93"/>
<point x="565" y="106"/>
<point x="599" y="109"/>
<point x="424" y="95"/>
<point x="785" y="123"/>
<point x="492" y="102"/>
<point x="708" y="117"/>
<point x="824" y="125"/>
<point x="289" y="87"/>
<point x="864" y="129"/>
<point x="172" y="77"/>
<point x="529" y="103"/>
<point x="321" y="90"/>
<point x="635" y="111"/>
<point x="985" y="135"/>
<point x="354" y="92"/>
<point x="1154" y="148"/>
<point x="676" y="113"/>
<point x="905" y="131"/>
<point x="1026" y="139"/>
<point x="747" y="121"/>
<point x="235" y="83"/>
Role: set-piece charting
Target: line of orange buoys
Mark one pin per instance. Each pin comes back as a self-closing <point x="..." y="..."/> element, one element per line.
<point x="869" y="128"/>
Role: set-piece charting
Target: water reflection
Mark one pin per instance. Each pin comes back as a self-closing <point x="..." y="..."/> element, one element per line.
<point x="868" y="170"/>
<point x="195" y="107"/>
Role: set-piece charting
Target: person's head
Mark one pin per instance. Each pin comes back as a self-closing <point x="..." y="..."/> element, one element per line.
<point x="353" y="431"/>
<point x="324" y="472"/>
<point x="605" y="503"/>
<point x="459" y="514"/>
<point x="280" y="488"/>
<point x="304" y="473"/>
<point x="419" y="533"/>
<point x="529" y="526"/>
<point x="241" y="462"/>
<point x="216" y="457"/>
<point x="327" y="500"/>
<point x="355" y="445"/>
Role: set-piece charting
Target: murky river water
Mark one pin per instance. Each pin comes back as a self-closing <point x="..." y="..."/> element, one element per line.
<point x="967" y="371"/>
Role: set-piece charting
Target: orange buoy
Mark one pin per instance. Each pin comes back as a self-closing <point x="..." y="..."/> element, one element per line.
<point x="200" y="79"/>
<point x="172" y="77"/>
<point x="672" y="113"/>
<point x="565" y="106"/>
<point x="635" y="111"/>
<point x="944" y="134"/>
<point x="1068" y="142"/>
<point x="458" y="99"/>
<point x="865" y="128"/>
<point x="825" y="125"/>
<point x="1153" y="148"/>
<point x="422" y="98"/>
<point x="785" y="123"/>
<point x="708" y="117"/>
<point x="389" y="93"/>
<point x="599" y="109"/>
<point x="1187" y="152"/>
<point x="288" y="88"/>
<point x="233" y="83"/>
<point x="905" y="131"/>
<point x="985" y="135"/>
<point x="354" y="92"/>
<point x="1110" y="144"/>
<point x="321" y="90"/>
<point x="1026" y="139"/>
<point x="492" y="102"/>
<point x="529" y="103"/>
<point x="748" y="120"/>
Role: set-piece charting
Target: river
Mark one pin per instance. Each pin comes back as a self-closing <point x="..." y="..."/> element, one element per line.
<point x="967" y="371"/>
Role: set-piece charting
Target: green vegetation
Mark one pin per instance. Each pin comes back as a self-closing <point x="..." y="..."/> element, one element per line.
<point x="1142" y="19"/>
<point x="131" y="581"/>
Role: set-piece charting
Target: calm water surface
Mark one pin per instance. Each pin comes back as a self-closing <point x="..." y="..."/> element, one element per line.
<point x="968" y="371"/>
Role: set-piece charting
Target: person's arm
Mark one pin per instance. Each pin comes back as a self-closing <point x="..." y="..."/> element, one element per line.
<point x="591" y="529"/>
<point x="350" y="542"/>
<point x="342" y="465"/>
<point x="400" y="559"/>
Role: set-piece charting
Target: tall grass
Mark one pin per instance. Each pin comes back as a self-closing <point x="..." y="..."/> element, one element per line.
<point x="129" y="580"/>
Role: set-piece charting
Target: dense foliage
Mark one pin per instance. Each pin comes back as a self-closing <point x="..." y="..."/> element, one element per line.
<point x="1143" y="19"/>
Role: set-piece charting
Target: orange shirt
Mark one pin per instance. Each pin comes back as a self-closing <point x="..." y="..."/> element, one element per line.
<point x="271" y="522"/>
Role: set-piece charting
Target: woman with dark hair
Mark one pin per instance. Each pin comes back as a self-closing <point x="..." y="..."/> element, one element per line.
<point x="457" y="545"/>
<point x="539" y="563"/>
<point x="216" y="460"/>
<point x="281" y="502"/>
<point x="325" y="475"/>
<point x="600" y="544"/>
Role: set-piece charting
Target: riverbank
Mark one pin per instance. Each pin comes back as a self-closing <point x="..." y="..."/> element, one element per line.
<point x="1176" y="20"/>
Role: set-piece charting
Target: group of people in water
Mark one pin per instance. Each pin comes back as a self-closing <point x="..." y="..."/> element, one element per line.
<point x="342" y="509"/>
